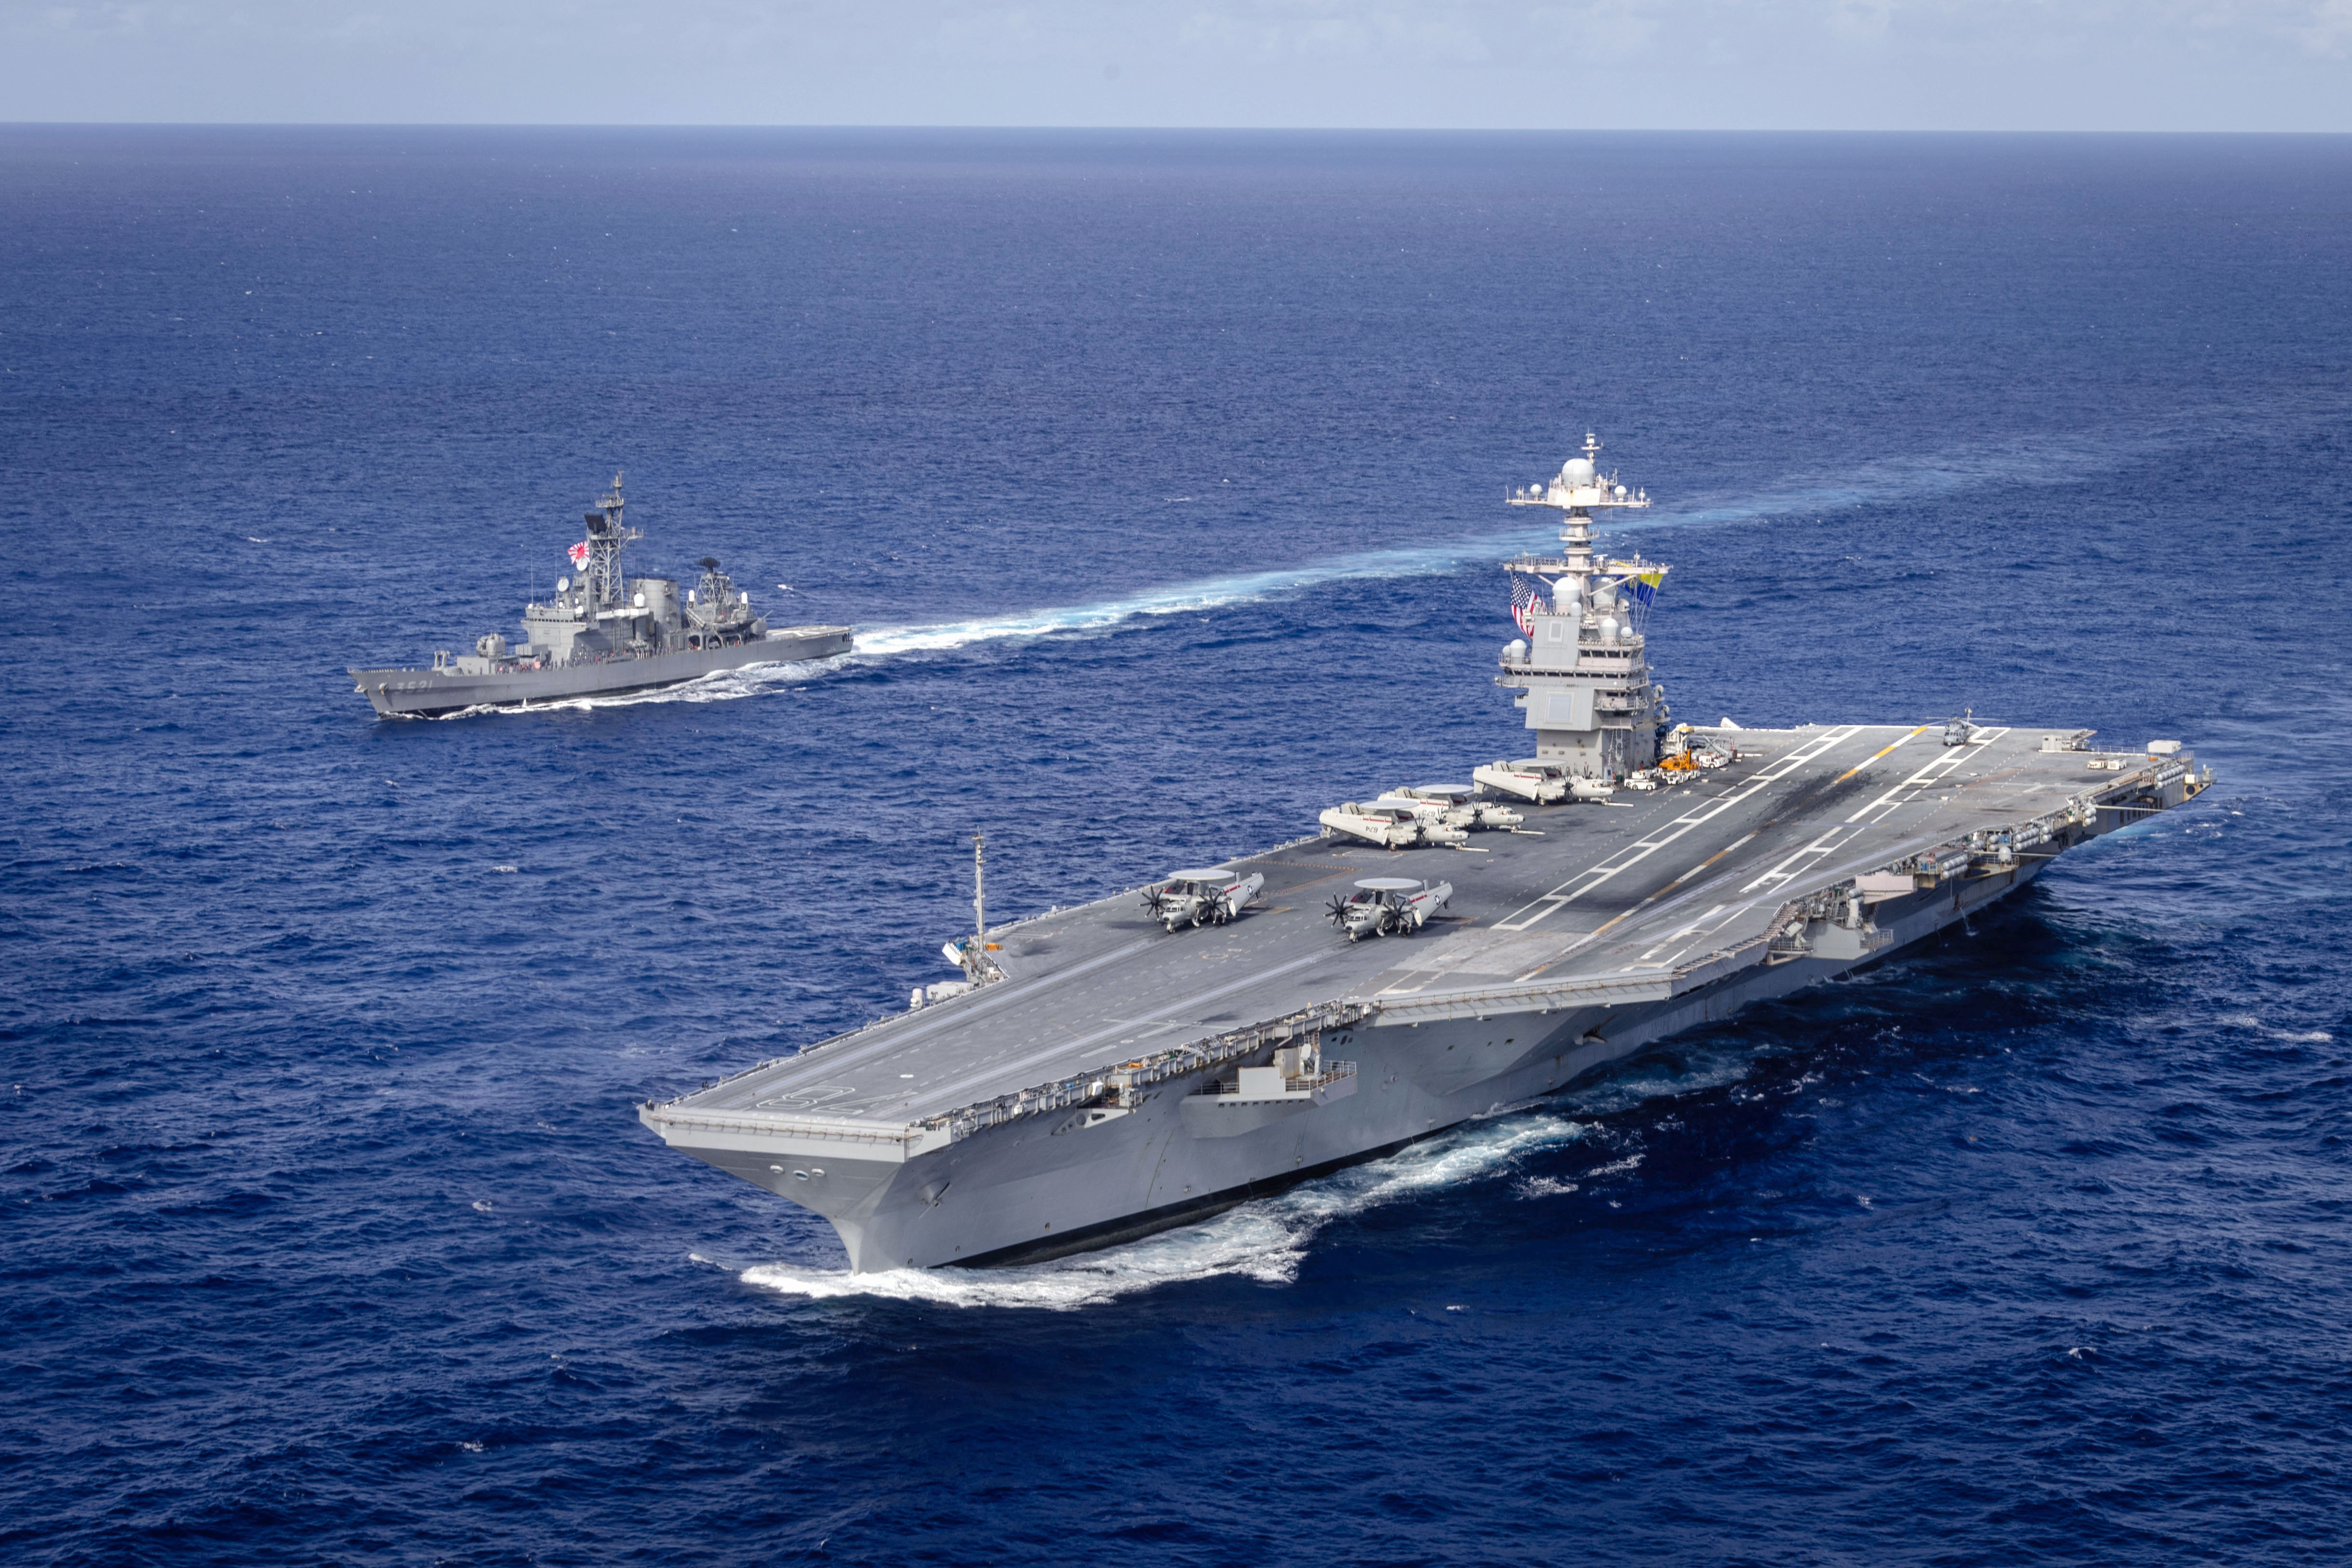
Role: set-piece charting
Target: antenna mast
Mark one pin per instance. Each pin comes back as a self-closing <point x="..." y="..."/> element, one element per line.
<point x="600" y="574"/>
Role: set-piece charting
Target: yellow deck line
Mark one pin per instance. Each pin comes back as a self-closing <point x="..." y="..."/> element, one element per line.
<point x="1876" y="755"/>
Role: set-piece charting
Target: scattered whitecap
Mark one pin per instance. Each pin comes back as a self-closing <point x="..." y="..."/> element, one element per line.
<point x="1646" y="1081"/>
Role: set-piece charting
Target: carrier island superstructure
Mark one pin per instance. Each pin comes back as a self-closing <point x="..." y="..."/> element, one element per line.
<point x="1102" y="1073"/>
<point x="603" y="633"/>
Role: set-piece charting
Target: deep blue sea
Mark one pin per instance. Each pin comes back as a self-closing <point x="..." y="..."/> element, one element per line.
<point x="1164" y="473"/>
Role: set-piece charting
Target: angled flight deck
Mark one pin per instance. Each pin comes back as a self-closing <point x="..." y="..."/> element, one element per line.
<point x="1107" y="1077"/>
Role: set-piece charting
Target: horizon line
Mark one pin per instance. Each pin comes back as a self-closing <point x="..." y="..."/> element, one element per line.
<point x="854" y="126"/>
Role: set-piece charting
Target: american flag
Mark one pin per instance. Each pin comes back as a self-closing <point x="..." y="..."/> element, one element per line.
<point x="1527" y="598"/>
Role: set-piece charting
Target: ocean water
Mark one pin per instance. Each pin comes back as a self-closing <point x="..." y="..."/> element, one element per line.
<point x="1164" y="473"/>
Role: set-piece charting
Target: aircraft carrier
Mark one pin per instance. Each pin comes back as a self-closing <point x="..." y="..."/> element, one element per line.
<point x="1111" y="1069"/>
<point x="603" y="633"/>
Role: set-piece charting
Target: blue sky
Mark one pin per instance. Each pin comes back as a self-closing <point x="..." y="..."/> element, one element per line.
<point x="2092" y="65"/>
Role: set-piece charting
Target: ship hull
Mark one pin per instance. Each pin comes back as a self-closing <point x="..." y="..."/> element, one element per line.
<point x="1039" y="1188"/>
<point x="432" y="694"/>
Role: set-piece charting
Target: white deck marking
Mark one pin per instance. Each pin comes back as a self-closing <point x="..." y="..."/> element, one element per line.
<point x="1708" y="924"/>
<point x="1953" y="756"/>
<point x="840" y="1057"/>
<point x="1789" y="869"/>
<point x="1585" y="881"/>
<point x="1000" y="1069"/>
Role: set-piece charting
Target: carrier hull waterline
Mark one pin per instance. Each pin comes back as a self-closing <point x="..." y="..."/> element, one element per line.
<point x="1098" y="1076"/>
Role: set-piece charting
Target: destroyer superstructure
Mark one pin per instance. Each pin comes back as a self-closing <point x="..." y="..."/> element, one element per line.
<point x="1106" y="1077"/>
<point x="603" y="633"/>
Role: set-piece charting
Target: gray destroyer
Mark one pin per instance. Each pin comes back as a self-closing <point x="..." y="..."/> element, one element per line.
<point x="604" y="633"/>
<point x="1105" y="1072"/>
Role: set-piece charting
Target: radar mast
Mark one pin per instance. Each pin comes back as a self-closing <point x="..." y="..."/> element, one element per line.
<point x="1583" y="662"/>
<point x="600" y="573"/>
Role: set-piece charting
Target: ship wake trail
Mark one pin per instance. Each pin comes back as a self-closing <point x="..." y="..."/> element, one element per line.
<point x="1264" y="1240"/>
<point x="2024" y="462"/>
<point x="1212" y="594"/>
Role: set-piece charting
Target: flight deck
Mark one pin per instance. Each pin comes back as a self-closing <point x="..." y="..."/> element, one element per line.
<point x="1629" y="892"/>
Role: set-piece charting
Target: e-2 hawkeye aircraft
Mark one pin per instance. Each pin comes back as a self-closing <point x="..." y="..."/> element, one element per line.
<point x="1202" y="897"/>
<point x="1387" y="907"/>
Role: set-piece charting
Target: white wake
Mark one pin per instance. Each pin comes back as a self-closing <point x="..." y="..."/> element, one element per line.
<point x="2022" y="464"/>
<point x="1264" y="1240"/>
<point x="718" y="687"/>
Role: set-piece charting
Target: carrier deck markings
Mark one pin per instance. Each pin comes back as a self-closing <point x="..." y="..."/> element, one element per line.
<point x="1928" y="775"/>
<point x="1061" y="1047"/>
<point x="1584" y="882"/>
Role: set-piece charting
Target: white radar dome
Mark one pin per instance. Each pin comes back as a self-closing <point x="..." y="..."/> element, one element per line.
<point x="640" y="600"/>
<point x="1515" y="650"/>
<point x="1608" y="628"/>
<point x="562" y="585"/>
<point x="1576" y="473"/>
<point x="1563" y="595"/>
